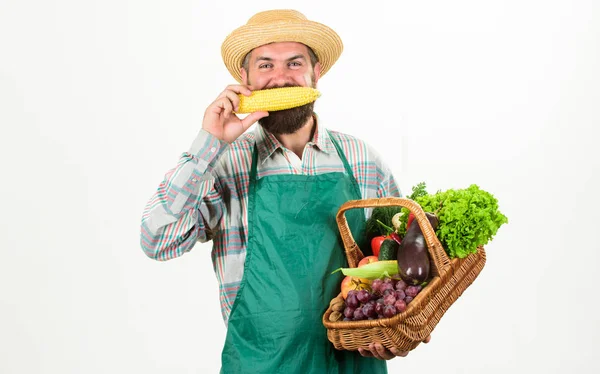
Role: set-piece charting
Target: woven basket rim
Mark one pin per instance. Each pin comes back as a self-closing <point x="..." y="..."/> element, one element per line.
<point x="438" y="255"/>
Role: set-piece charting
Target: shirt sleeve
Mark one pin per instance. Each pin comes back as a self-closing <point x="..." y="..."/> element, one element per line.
<point x="387" y="184"/>
<point x="187" y="204"/>
<point x="384" y="183"/>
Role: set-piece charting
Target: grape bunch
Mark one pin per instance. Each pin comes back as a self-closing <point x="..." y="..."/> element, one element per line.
<point x="387" y="298"/>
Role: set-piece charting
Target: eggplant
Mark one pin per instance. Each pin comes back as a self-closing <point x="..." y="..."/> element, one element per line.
<point x="413" y="257"/>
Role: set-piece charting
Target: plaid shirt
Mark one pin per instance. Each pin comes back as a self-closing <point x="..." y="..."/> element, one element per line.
<point x="205" y="196"/>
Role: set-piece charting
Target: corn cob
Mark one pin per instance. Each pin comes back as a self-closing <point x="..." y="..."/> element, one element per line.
<point x="280" y="98"/>
<point x="373" y="270"/>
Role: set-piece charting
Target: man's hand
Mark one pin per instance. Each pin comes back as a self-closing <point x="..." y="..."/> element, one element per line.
<point x="220" y="119"/>
<point x="378" y="351"/>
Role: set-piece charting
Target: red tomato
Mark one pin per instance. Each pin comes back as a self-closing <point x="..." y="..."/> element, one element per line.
<point x="376" y="244"/>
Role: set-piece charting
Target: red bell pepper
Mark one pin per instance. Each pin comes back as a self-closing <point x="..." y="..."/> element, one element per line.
<point x="411" y="218"/>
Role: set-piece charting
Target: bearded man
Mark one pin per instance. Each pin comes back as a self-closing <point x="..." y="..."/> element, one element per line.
<point x="268" y="198"/>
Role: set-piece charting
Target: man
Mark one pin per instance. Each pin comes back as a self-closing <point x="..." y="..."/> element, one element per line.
<point x="268" y="199"/>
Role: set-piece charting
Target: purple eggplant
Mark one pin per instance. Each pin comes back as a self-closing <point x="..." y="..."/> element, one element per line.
<point x="414" y="263"/>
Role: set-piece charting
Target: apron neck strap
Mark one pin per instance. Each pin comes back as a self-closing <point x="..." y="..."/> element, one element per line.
<point x="254" y="163"/>
<point x="341" y="154"/>
<point x="347" y="167"/>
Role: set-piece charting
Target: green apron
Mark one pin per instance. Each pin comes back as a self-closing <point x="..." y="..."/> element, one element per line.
<point x="293" y="246"/>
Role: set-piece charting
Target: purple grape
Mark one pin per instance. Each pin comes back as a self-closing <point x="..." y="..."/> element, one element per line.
<point x="400" y="295"/>
<point x="408" y="299"/>
<point x="389" y="311"/>
<point x="363" y="296"/>
<point x="379" y="308"/>
<point x="400" y="306"/>
<point x="352" y="292"/>
<point x="369" y="310"/>
<point x="401" y="285"/>
<point x="412" y="291"/>
<point x="351" y="300"/>
<point x="389" y="299"/>
<point x="376" y="284"/>
<point x="385" y="286"/>
<point x="358" y="314"/>
<point x="348" y="312"/>
<point x="389" y="291"/>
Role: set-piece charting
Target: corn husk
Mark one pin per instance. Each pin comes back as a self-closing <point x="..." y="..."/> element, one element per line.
<point x="373" y="270"/>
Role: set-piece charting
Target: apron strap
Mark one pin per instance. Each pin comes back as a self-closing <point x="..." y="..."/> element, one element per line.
<point x="254" y="162"/>
<point x="253" y="168"/>
<point x="346" y="165"/>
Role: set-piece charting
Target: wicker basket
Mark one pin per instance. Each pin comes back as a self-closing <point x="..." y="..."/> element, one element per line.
<point x="405" y="330"/>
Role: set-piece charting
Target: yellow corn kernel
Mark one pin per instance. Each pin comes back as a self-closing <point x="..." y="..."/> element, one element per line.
<point x="280" y="98"/>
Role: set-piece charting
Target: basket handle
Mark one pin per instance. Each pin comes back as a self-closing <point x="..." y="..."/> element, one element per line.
<point x="438" y="255"/>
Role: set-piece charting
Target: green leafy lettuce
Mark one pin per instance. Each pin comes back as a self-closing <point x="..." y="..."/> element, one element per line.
<point x="468" y="218"/>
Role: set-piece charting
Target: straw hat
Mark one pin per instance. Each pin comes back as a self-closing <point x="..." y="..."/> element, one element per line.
<point x="280" y="26"/>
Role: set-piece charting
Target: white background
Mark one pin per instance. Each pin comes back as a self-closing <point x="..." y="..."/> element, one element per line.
<point x="99" y="98"/>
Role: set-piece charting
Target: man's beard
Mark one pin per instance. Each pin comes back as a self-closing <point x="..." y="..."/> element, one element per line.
<point x="287" y="121"/>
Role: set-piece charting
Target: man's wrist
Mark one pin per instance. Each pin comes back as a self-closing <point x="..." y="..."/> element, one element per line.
<point x="207" y="147"/>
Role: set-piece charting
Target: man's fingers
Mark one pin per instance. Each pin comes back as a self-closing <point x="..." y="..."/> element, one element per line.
<point x="233" y="91"/>
<point x="380" y="352"/>
<point x="377" y="352"/>
<point x="238" y="89"/>
<point x="398" y="353"/>
<point x="374" y="352"/>
<point x="253" y="117"/>
<point x="364" y="352"/>
<point x="225" y="103"/>
<point x="232" y="97"/>
<point x="383" y="353"/>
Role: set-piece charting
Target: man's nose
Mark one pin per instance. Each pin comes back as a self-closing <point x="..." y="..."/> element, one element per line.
<point x="280" y="78"/>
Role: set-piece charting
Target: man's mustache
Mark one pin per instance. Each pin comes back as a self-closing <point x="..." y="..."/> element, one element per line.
<point x="282" y="86"/>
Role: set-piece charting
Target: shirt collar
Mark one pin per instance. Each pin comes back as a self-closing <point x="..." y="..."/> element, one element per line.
<point x="267" y="143"/>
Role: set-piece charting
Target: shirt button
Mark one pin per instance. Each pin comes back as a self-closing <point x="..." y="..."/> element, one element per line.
<point x="194" y="180"/>
<point x="213" y="149"/>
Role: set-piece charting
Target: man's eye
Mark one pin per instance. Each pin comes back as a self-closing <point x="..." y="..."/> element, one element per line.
<point x="264" y="66"/>
<point x="295" y="63"/>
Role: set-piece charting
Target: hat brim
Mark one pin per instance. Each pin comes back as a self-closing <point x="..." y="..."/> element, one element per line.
<point x="325" y="42"/>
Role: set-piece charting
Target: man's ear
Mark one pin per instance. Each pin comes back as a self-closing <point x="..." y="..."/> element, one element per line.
<point x="317" y="71"/>
<point x="244" y="75"/>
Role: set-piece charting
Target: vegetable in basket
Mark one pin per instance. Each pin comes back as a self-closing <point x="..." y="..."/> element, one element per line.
<point x="468" y="218"/>
<point x="413" y="255"/>
<point x="373" y="270"/>
<point x="382" y="214"/>
<point x="386" y="296"/>
<point x="402" y="220"/>
<point x="382" y="242"/>
<point x="388" y="250"/>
